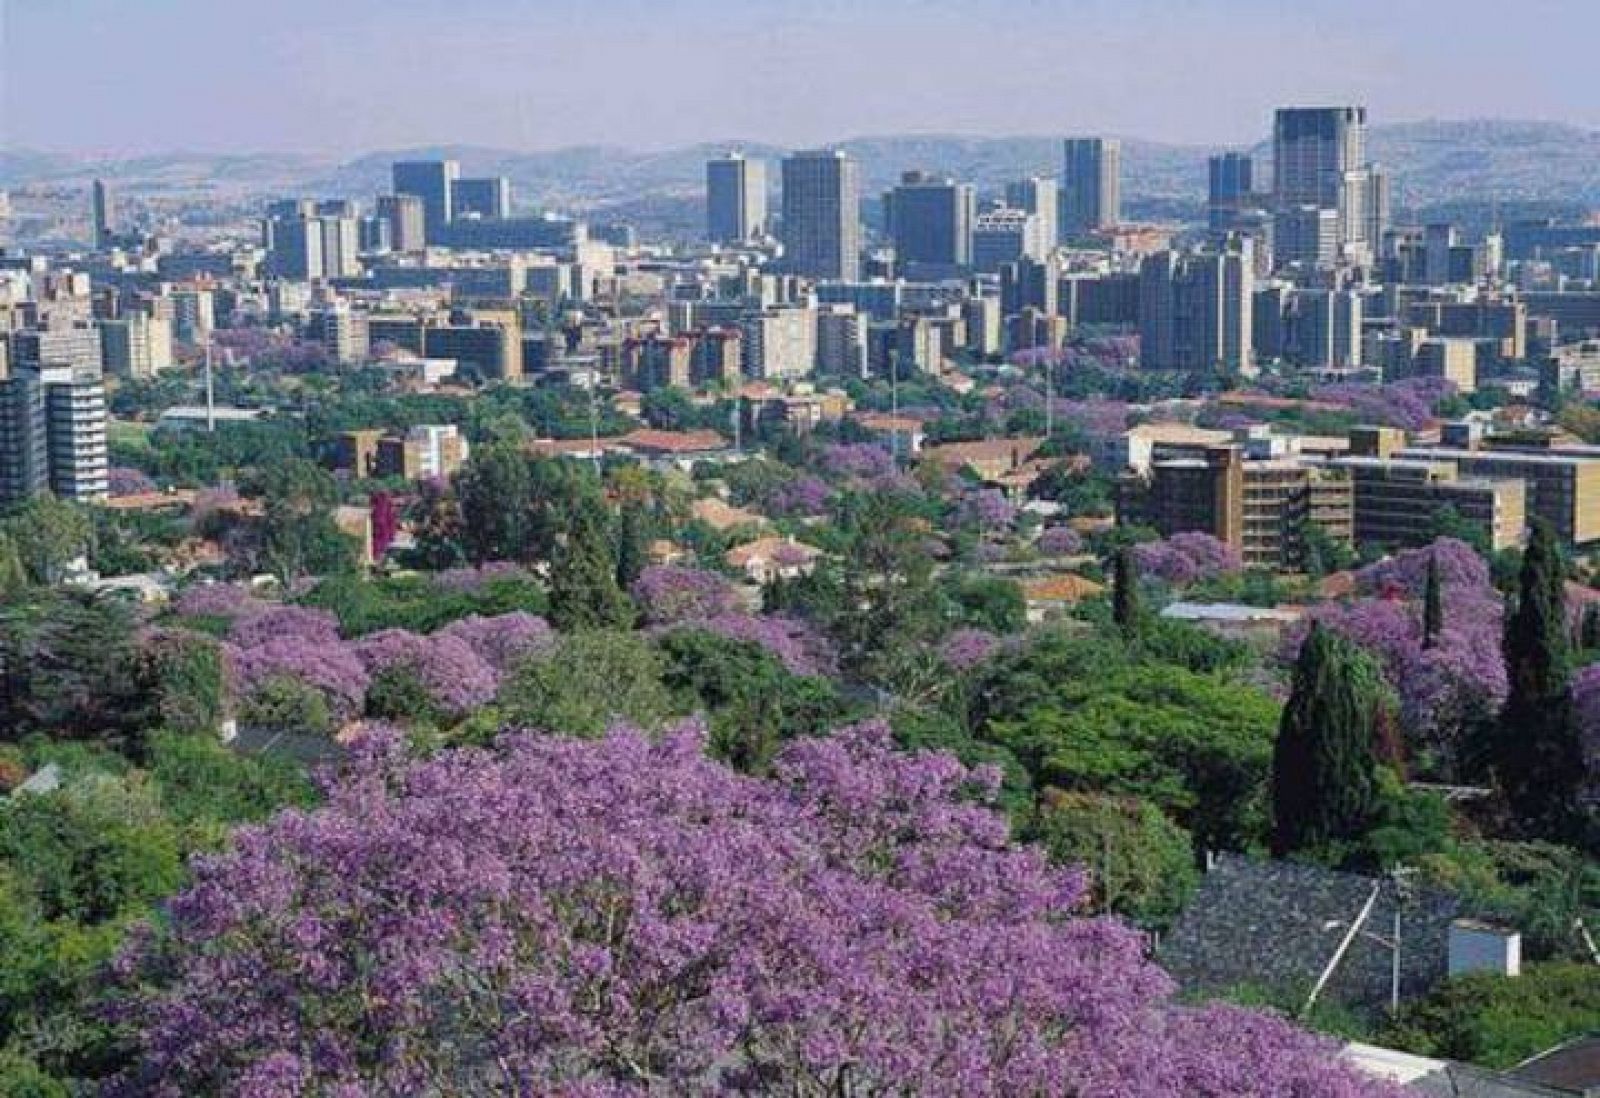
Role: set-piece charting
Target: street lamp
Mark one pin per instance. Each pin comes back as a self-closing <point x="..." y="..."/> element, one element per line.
<point x="1357" y="929"/>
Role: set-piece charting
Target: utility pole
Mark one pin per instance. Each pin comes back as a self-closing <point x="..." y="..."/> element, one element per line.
<point x="894" y="404"/>
<point x="211" y="395"/>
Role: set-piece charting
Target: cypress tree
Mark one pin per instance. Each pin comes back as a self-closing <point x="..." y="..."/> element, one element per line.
<point x="1125" y="609"/>
<point x="630" y="545"/>
<point x="1432" y="606"/>
<point x="583" y="579"/>
<point x="1539" y="757"/>
<point x="1324" y="763"/>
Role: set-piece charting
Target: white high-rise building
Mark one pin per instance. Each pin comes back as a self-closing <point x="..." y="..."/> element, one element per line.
<point x="1319" y="158"/>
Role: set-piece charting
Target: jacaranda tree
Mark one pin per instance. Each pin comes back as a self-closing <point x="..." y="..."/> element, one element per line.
<point x="626" y="916"/>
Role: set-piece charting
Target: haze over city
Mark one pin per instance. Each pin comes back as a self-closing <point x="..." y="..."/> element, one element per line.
<point x="110" y="77"/>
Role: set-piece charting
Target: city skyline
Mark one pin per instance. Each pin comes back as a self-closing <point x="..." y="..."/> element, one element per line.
<point x="713" y="72"/>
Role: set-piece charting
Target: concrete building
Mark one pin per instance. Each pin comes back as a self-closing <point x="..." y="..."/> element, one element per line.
<point x="103" y="213"/>
<point x="1040" y="196"/>
<point x="136" y="346"/>
<point x="490" y="349"/>
<point x="1454" y="360"/>
<point x="432" y="181"/>
<point x="841" y="341"/>
<point x="24" y="453"/>
<point x="425" y="452"/>
<point x="1323" y="329"/>
<point x="1398" y="501"/>
<point x="780" y="343"/>
<point x="1562" y="489"/>
<point x="1029" y="284"/>
<point x="194" y="313"/>
<point x="1091" y="184"/>
<point x="75" y="433"/>
<point x="343" y="331"/>
<point x="1004" y="235"/>
<point x="407" y="221"/>
<point x="487" y="197"/>
<point x="1319" y="158"/>
<point x="1260" y="508"/>
<point x="1230" y="190"/>
<point x="736" y="199"/>
<point x="821" y="214"/>
<point x="1305" y="236"/>
<point x="1196" y="309"/>
<point x="929" y="220"/>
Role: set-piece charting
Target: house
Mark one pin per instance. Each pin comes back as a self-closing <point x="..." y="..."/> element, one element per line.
<point x="676" y="447"/>
<point x="771" y="558"/>
<point x="990" y="458"/>
<point x="1054" y="595"/>
<point x="1278" y="925"/>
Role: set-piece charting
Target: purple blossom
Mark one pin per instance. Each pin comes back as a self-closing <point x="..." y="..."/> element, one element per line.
<point x="628" y="917"/>
<point x="988" y="509"/>
<point x="300" y="623"/>
<point x="504" y="640"/>
<point x="857" y="460"/>
<point x="454" y="676"/>
<point x="331" y="669"/>
<point x="671" y="593"/>
<point x="1187" y="558"/>
<point x="1441" y="689"/>
<point x="964" y="649"/>
<point x="1060" y="541"/>
<point x="1408" y="405"/>
<point x="799" y="647"/>
<point x="123" y="481"/>
<point x="804" y="496"/>
<point x="470" y="580"/>
<point x="217" y="600"/>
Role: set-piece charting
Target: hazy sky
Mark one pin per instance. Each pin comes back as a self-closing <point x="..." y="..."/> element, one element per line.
<point x="345" y="76"/>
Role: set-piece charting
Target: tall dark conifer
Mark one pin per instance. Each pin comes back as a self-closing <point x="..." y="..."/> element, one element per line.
<point x="630" y="545"/>
<point x="1432" y="606"/>
<point x="1538" y="755"/>
<point x="1125" y="609"/>
<point x="583" y="579"/>
<point x="1324" y="763"/>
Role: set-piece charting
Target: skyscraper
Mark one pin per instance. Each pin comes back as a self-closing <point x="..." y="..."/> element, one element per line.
<point x="1319" y="158"/>
<point x="488" y="197"/>
<point x="433" y="181"/>
<point x="1091" y="184"/>
<point x="929" y="219"/>
<point x="1196" y="309"/>
<point x="105" y="214"/>
<point x="736" y="199"/>
<point x="1038" y="195"/>
<point x="822" y="215"/>
<point x="407" y="223"/>
<point x="1231" y="187"/>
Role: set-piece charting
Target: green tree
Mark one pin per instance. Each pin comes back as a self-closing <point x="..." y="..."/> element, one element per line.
<point x="1324" y="764"/>
<point x="298" y="535"/>
<point x="1499" y="1021"/>
<point x="495" y="491"/>
<point x="1538" y="754"/>
<point x="631" y="544"/>
<point x="583" y="579"/>
<point x="13" y="576"/>
<point x="1140" y="864"/>
<point x="1125" y="608"/>
<point x="588" y="682"/>
<point x="1432" y="607"/>
<point x="48" y="534"/>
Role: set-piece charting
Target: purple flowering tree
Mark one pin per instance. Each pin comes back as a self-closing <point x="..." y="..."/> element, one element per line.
<point x="628" y="917"/>
<point x="857" y="461"/>
<point x="123" y="481"/>
<point x="305" y="624"/>
<point x="1586" y="711"/>
<point x="1060" y="541"/>
<point x="799" y="646"/>
<point x="668" y="594"/>
<point x="450" y="672"/>
<point x="331" y="669"/>
<point x="1187" y="558"/>
<point x="1444" y="689"/>
<point x="965" y="649"/>
<point x="988" y="510"/>
<point x="504" y="640"/>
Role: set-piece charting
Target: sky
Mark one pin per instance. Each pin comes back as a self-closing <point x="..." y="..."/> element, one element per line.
<point x="342" y="77"/>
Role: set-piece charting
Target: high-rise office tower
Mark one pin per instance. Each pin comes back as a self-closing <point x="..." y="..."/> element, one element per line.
<point x="1029" y="284"/>
<point x="407" y="221"/>
<point x="1319" y="158"/>
<point x="822" y="215"/>
<point x="433" y="181"/>
<point x="1038" y="195"/>
<point x="75" y="433"/>
<point x="341" y="246"/>
<point x="1195" y="309"/>
<point x="1005" y="235"/>
<point x="1091" y="184"/>
<point x="1231" y="189"/>
<point x="736" y="199"/>
<point x="929" y="219"/>
<point x="103" y="206"/>
<point x="24" y="456"/>
<point x="1307" y="235"/>
<point x="488" y="197"/>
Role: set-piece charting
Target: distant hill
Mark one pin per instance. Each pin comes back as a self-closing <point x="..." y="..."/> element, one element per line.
<point x="1433" y="162"/>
